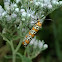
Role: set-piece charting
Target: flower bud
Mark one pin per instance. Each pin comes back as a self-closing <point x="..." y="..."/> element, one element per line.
<point x="17" y="9"/>
<point x="45" y="46"/>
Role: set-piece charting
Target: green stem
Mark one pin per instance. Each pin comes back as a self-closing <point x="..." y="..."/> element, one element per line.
<point x="33" y="56"/>
<point x="14" y="57"/>
<point x="4" y="38"/>
<point x="12" y="46"/>
<point x="10" y="57"/>
<point x="17" y="48"/>
<point x="19" y="54"/>
<point x="13" y="51"/>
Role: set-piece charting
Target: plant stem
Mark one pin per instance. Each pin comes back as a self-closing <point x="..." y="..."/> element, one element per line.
<point x="12" y="46"/>
<point x="13" y="51"/>
<point x="19" y="55"/>
<point x="4" y="38"/>
<point x="14" y="57"/>
<point x="17" y="48"/>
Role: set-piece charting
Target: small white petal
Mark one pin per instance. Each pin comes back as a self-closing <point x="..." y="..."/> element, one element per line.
<point x="8" y="17"/>
<point x="44" y="5"/>
<point x="35" y="43"/>
<point x="40" y="44"/>
<point x="55" y="2"/>
<point x="31" y="1"/>
<point x="13" y="15"/>
<point x="32" y="41"/>
<point x="0" y="14"/>
<point x="32" y="22"/>
<point x="6" y="5"/>
<point x="15" y="5"/>
<point x="37" y="3"/>
<point x="50" y="6"/>
<point x="60" y="2"/>
<point x="17" y="9"/>
<point x="1" y="9"/>
<point x="17" y="1"/>
<point x="6" y="0"/>
<point x="4" y="13"/>
<point x="23" y="14"/>
<point x="28" y="15"/>
<point x="45" y="46"/>
<point x="23" y="19"/>
<point x="22" y="10"/>
<point x="41" y="4"/>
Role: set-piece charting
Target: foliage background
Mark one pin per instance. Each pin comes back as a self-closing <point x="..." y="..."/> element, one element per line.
<point x="51" y="33"/>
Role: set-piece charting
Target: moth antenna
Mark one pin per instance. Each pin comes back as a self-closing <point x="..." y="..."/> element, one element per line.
<point x="48" y="19"/>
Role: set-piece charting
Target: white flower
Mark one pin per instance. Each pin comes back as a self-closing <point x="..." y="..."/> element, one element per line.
<point x="13" y="15"/>
<point x="37" y="3"/>
<point x="49" y="6"/>
<point x="55" y="2"/>
<point x="31" y="1"/>
<point x="6" y="0"/>
<point x="17" y="19"/>
<point x="12" y="6"/>
<point x="6" y="5"/>
<point x="40" y="44"/>
<point x="32" y="23"/>
<point x="4" y="13"/>
<point x="8" y="17"/>
<point x="45" y="46"/>
<point x="28" y="16"/>
<point x="24" y="14"/>
<point x="22" y="6"/>
<point x="22" y="10"/>
<point x="1" y="9"/>
<point x="41" y="4"/>
<point x="17" y="1"/>
<point x="45" y="5"/>
<point x="47" y="1"/>
<point x="15" y="5"/>
<point x="17" y="9"/>
<point x="32" y="41"/>
<point x="35" y="43"/>
<point x="31" y="13"/>
<point x="23" y="19"/>
<point x="0" y="14"/>
<point x="60" y="2"/>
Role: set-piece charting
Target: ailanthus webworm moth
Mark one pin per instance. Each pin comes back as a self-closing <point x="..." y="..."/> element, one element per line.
<point x="32" y="33"/>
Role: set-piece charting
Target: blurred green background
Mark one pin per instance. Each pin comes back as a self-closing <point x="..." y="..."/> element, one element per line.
<point x="51" y="33"/>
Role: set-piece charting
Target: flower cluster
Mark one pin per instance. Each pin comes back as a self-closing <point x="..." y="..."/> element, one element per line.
<point x="27" y="13"/>
<point x="17" y="17"/>
<point x="35" y="47"/>
<point x="38" y="43"/>
<point x="30" y="11"/>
